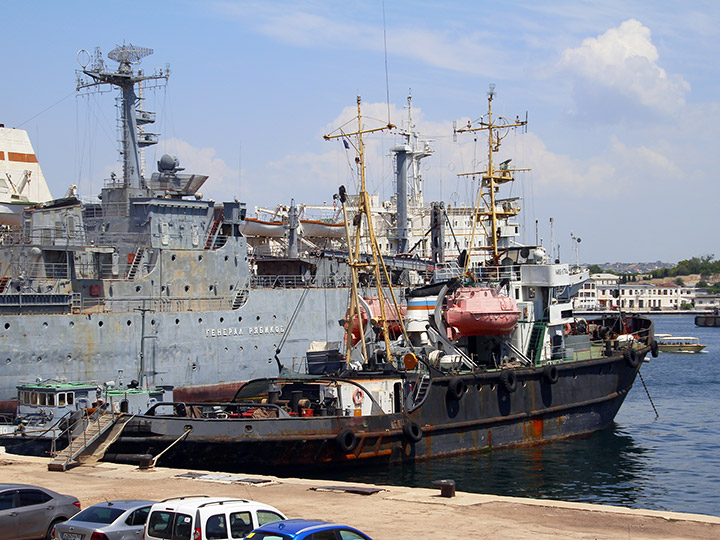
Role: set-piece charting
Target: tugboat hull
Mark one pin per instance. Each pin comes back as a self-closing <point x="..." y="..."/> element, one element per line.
<point x="489" y="413"/>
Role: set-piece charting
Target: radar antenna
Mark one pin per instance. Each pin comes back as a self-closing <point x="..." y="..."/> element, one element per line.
<point x="125" y="78"/>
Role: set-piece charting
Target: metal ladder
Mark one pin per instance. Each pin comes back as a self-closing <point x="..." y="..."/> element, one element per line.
<point x="213" y="234"/>
<point x="135" y="263"/>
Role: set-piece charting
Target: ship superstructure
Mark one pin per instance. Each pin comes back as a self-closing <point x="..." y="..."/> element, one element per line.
<point x="152" y="283"/>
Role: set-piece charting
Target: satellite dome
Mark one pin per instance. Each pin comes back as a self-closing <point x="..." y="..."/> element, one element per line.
<point x="168" y="163"/>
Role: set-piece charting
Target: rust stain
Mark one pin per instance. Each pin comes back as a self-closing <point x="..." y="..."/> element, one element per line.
<point x="213" y="392"/>
<point x="536" y="428"/>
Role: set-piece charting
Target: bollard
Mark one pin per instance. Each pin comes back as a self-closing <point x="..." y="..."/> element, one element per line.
<point x="447" y="487"/>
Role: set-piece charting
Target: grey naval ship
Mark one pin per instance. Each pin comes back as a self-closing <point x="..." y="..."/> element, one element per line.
<point x="151" y="285"/>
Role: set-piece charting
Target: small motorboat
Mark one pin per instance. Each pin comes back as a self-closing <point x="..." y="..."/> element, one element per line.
<point x="678" y="344"/>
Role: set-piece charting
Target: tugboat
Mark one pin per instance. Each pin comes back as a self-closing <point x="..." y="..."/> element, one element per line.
<point x="50" y="412"/>
<point x="462" y="376"/>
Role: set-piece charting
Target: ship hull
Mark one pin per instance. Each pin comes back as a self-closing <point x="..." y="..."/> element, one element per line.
<point x="584" y="398"/>
<point x="186" y="350"/>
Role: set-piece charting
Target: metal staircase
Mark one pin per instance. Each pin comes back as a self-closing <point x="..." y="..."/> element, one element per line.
<point x="93" y="428"/>
<point x="212" y="235"/>
<point x="135" y="265"/>
<point x="536" y="341"/>
<point x="421" y="390"/>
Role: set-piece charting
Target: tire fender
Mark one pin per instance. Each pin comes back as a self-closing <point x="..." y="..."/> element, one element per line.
<point x="456" y="388"/>
<point x="347" y="440"/>
<point x="509" y="380"/>
<point x="413" y="431"/>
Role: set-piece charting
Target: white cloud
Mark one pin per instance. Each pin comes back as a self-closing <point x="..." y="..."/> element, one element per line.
<point x="449" y="48"/>
<point x="222" y="183"/>
<point x="623" y="62"/>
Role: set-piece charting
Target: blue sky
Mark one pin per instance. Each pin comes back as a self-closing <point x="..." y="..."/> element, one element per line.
<point x="622" y="99"/>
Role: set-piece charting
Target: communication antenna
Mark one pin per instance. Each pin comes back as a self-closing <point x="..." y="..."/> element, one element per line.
<point x="125" y="78"/>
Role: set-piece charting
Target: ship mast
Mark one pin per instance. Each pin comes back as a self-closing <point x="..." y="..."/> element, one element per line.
<point x="125" y="79"/>
<point x="492" y="178"/>
<point x="354" y="256"/>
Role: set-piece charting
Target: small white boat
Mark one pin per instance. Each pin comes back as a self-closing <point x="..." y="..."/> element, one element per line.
<point x="678" y="344"/>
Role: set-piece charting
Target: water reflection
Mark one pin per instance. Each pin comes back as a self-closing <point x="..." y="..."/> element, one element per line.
<point x="606" y="467"/>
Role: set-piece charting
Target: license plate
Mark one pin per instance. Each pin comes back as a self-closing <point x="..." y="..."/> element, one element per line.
<point x="71" y="536"/>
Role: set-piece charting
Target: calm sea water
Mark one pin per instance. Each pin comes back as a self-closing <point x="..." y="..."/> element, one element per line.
<point x="671" y="462"/>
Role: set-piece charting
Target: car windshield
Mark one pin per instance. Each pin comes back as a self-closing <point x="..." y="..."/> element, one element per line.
<point x="99" y="514"/>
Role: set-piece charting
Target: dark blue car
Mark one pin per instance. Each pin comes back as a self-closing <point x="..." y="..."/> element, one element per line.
<point x="305" y="529"/>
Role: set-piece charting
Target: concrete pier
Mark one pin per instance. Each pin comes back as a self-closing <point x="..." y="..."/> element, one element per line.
<point x="390" y="513"/>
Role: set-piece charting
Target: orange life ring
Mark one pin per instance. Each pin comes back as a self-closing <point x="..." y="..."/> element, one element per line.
<point x="358" y="397"/>
<point x="567" y="329"/>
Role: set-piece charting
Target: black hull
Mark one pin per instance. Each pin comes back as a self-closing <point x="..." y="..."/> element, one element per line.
<point x="585" y="397"/>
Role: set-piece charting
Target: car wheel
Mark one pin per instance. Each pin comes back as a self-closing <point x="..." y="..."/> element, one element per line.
<point x="48" y="534"/>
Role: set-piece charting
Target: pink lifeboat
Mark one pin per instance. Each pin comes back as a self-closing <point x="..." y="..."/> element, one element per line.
<point x="393" y="319"/>
<point x="480" y="311"/>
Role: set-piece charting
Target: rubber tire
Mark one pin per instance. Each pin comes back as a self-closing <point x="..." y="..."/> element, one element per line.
<point x="631" y="358"/>
<point x="413" y="431"/>
<point x="456" y="388"/>
<point x="550" y="374"/>
<point x="654" y="350"/>
<point x="509" y="381"/>
<point x="50" y="528"/>
<point x="347" y="440"/>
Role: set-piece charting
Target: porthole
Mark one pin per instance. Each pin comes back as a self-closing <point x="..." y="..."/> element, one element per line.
<point x="177" y="321"/>
<point x="45" y="324"/>
<point x="129" y="322"/>
<point x="100" y="323"/>
<point x="232" y="287"/>
<point x="222" y="319"/>
<point x="227" y="258"/>
<point x="239" y="319"/>
<point x="7" y="325"/>
<point x="138" y="288"/>
<point x="7" y="361"/>
<point x="39" y="359"/>
<point x="199" y="320"/>
<point x="257" y="318"/>
<point x="187" y="288"/>
<point x="152" y="322"/>
<point x="71" y="324"/>
<point x="173" y="257"/>
<point x="68" y="357"/>
<point x="200" y="257"/>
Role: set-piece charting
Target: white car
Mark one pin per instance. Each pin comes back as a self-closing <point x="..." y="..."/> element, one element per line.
<point x="207" y="518"/>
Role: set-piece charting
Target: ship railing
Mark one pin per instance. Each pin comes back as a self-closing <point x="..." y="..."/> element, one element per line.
<point x="295" y="281"/>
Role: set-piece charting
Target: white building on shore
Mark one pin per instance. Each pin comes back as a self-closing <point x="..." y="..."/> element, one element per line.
<point x="604" y="291"/>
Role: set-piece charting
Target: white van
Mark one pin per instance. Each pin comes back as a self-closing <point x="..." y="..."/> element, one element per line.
<point x="207" y="518"/>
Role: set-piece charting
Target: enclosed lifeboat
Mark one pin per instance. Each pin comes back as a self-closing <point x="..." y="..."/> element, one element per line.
<point x="479" y="311"/>
<point x="373" y="304"/>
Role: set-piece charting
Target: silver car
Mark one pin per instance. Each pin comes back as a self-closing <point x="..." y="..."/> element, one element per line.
<point x="30" y="512"/>
<point x="112" y="520"/>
